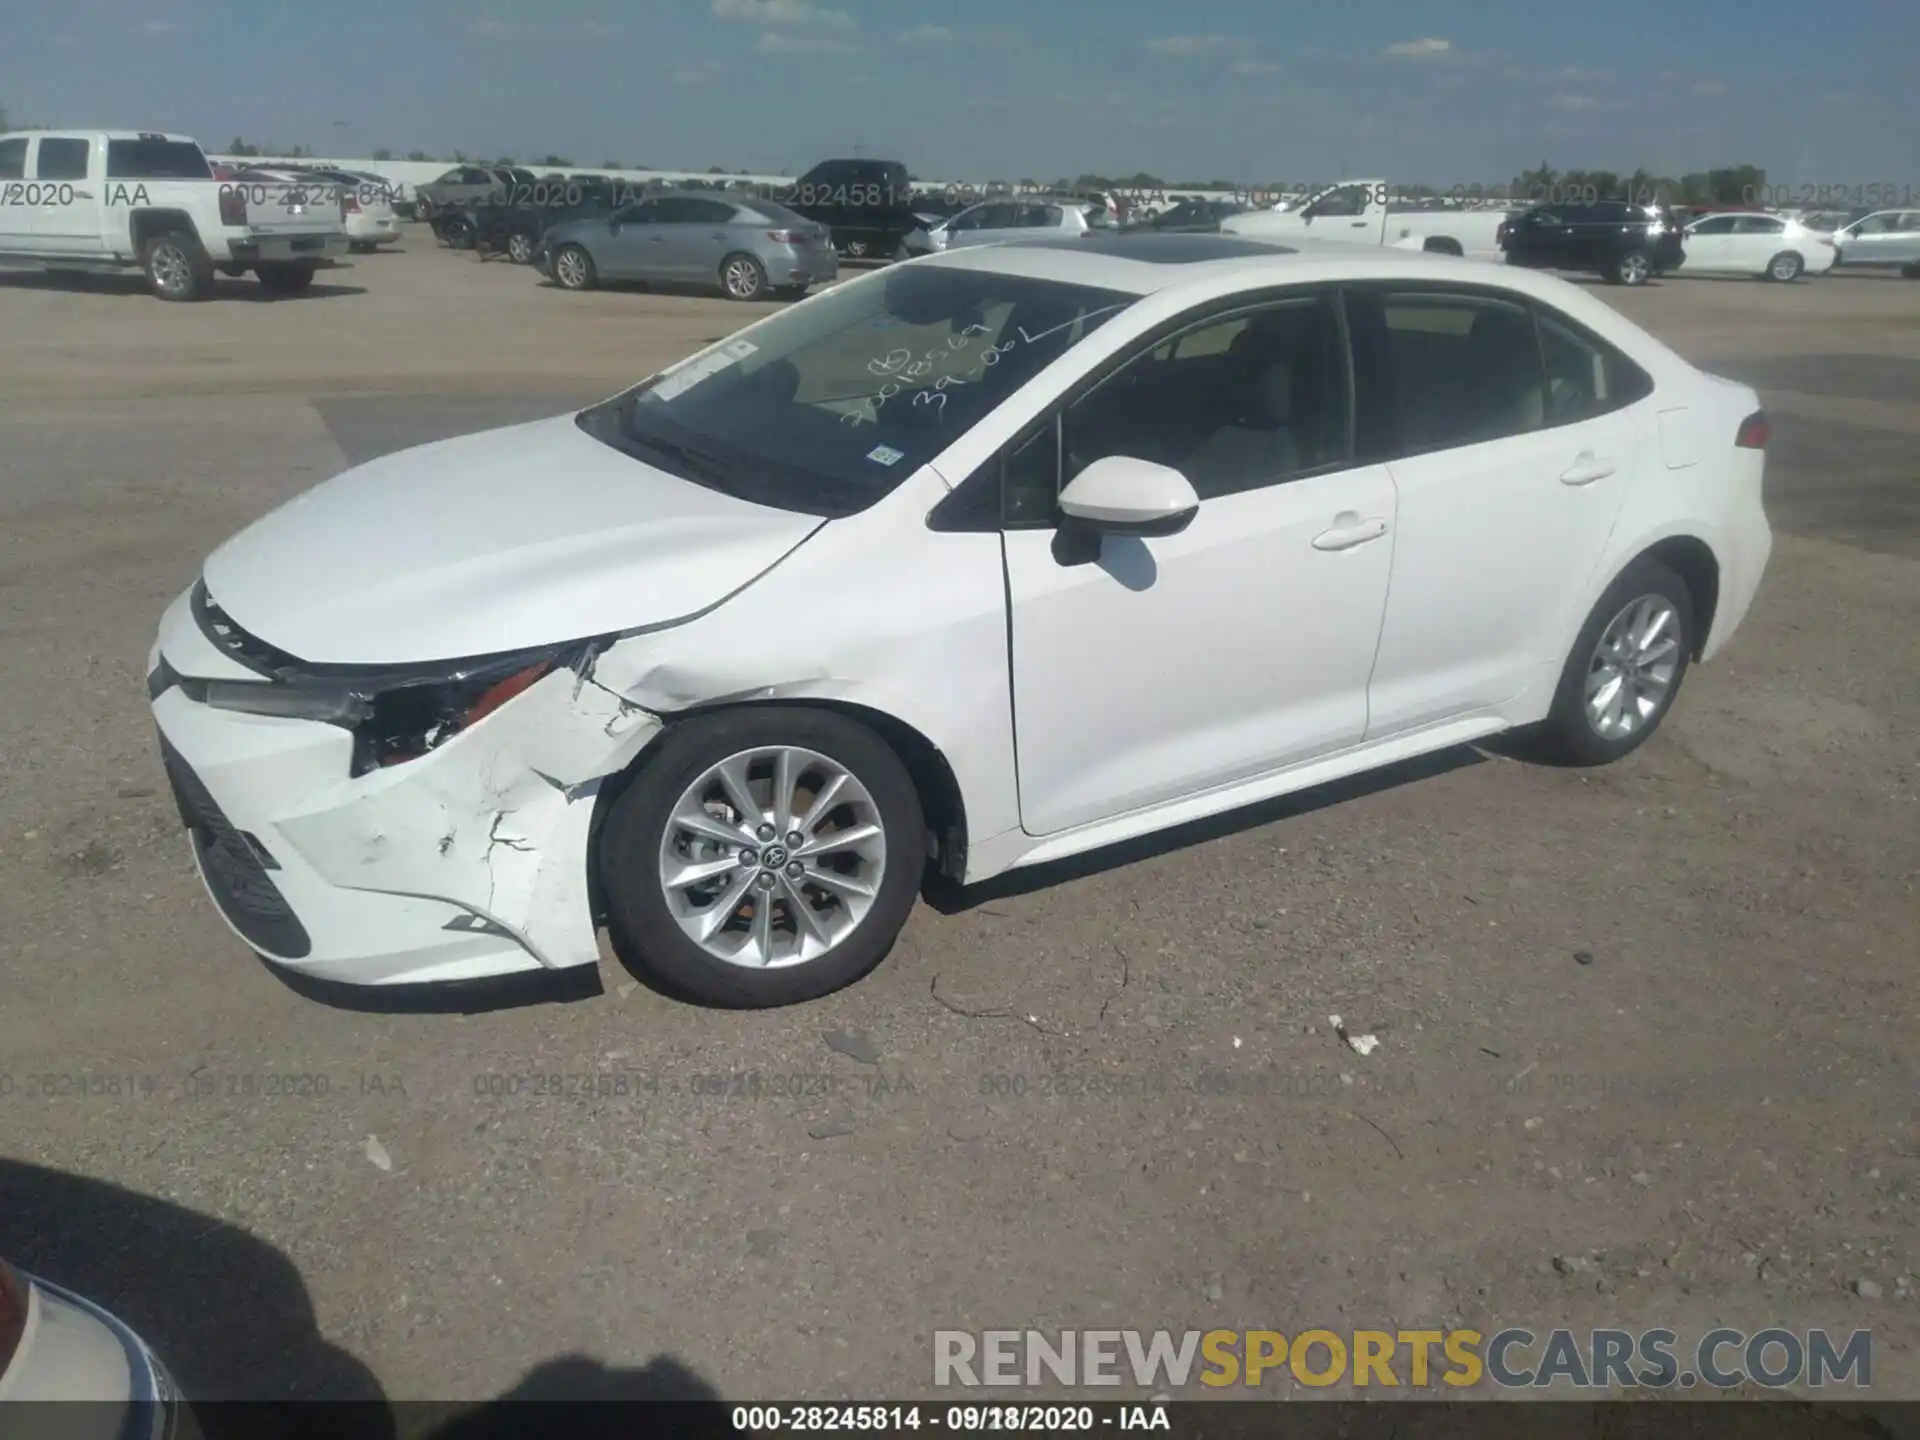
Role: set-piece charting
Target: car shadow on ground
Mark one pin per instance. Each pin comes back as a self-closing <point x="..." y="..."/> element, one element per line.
<point x="943" y="895"/>
<point x="677" y="290"/>
<point x="133" y="285"/>
<point x="230" y="1317"/>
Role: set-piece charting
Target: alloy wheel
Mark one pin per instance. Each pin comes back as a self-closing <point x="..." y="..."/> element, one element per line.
<point x="741" y="280"/>
<point x="1630" y="675"/>
<point x="1634" y="269"/>
<point x="171" y="272"/>
<point x="772" y="857"/>
<point x="570" y="269"/>
<point x="519" y="248"/>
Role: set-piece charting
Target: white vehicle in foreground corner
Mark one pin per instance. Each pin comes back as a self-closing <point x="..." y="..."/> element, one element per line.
<point x="56" y="1346"/>
<point x="982" y="560"/>
<point x="1770" y="247"/>
<point x="1367" y="212"/>
<point x="125" y="199"/>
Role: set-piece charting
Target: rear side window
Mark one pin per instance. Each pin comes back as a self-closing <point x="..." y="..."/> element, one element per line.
<point x="154" y="160"/>
<point x="66" y="160"/>
<point x="1585" y="375"/>
<point x="1464" y="369"/>
<point x="13" y="159"/>
<point x="1758" y="225"/>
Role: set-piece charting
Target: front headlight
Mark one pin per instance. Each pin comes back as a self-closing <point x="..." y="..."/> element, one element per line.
<point x="394" y="715"/>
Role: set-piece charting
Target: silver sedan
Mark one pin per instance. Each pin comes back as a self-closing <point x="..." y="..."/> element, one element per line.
<point x="749" y="248"/>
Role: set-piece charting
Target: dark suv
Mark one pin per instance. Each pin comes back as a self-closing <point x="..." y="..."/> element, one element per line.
<point x="867" y="204"/>
<point x="1625" y="244"/>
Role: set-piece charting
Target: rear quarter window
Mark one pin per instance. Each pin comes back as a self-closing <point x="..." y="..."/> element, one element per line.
<point x="13" y="159"/>
<point x="156" y="160"/>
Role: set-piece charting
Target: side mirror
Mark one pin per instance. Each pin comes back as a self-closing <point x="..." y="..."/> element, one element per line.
<point x="1122" y="495"/>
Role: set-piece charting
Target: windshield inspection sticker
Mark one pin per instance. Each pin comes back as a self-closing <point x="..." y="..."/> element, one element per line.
<point x="885" y="455"/>
<point x="689" y="373"/>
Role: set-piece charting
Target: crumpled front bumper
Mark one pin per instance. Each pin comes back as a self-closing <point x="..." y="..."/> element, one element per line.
<point x="468" y="862"/>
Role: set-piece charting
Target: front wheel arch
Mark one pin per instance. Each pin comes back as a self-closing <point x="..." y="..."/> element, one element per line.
<point x="941" y="801"/>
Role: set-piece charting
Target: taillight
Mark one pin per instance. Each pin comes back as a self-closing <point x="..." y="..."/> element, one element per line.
<point x="233" y="205"/>
<point x="13" y="1312"/>
<point x="349" y="203"/>
<point x="1755" y="431"/>
<point x="787" y="237"/>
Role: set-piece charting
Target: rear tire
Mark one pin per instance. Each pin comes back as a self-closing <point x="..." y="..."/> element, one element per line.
<point x="1785" y="267"/>
<point x="1616" y="670"/>
<point x="1633" y="268"/>
<point x="743" y="278"/>
<point x="640" y="837"/>
<point x="1440" y="245"/>
<point x="573" y="268"/>
<point x="285" y="279"/>
<point x="177" y="266"/>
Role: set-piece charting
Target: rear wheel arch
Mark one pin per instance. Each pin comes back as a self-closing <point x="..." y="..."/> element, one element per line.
<point x="143" y="225"/>
<point x="1694" y="562"/>
<point x="1442" y="245"/>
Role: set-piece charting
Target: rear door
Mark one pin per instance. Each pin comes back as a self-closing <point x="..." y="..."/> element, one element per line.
<point x="1757" y="239"/>
<point x="1905" y="243"/>
<point x="1513" y="444"/>
<point x="705" y="235"/>
<point x="65" y="205"/>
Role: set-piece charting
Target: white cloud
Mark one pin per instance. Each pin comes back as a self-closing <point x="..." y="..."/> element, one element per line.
<point x="1709" y="87"/>
<point x="773" y="42"/>
<point x="1255" y="67"/>
<point x="782" y="12"/>
<point x="1574" y="102"/>
<point x="158" y="27"/>
<point x="1419" y="49"/>
<point x="1186" y="44"/>
<point x="927" y="35"/>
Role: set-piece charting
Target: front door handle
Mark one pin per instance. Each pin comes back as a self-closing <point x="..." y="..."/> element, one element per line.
<point x="1359" y="224"/>
<point x="1348" y="531"/>
<point x="1586" y="469"/>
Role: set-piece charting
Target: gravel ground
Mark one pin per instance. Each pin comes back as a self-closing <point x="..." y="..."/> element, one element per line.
<point x="1654" y="1021"/>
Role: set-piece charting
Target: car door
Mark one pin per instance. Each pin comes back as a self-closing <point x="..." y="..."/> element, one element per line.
<point x="983" y="224"/>
<point x="1872" y="240"/>
<point x="1514" y="437"/>
<point x="66" y="219"/>
<point x="1163" y="667"/>
<point x="1712" y="246"/>
<point x="1757" y="239"/>
<point x="625" y="244"/>
<point x="1903" y="243"/>
<point x="702" y="238"/>
<point x="16" y="224"/>
<point x="1541" y="238"/>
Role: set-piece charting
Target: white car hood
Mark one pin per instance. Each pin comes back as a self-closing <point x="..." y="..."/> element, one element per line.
<point x="507" y="539"/>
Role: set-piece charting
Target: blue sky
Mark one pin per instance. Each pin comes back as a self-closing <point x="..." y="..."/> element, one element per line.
<point x="1440" y="91"/>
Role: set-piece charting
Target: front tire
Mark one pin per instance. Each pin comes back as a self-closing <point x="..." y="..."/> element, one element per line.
<point x="726" y="881"/>
<point x="573" y="268"/>
<point x="177" y="266"/>
<point x="1785" y="267"/>
<point x="520" y="247"/>
<point x="743" y="278"/>
<point x="1625" y="669"/>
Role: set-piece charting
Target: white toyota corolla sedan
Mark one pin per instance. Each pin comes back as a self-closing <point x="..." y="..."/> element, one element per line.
<point x="975" y="562"/>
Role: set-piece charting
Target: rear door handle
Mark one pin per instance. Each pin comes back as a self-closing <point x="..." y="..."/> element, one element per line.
<point x="1348" y="531"/>
<point x="1586" y="469"/>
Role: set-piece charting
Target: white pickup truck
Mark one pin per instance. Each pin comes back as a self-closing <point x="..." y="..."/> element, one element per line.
<point x="121" y="199"/>
<point x="1368" y="212"/>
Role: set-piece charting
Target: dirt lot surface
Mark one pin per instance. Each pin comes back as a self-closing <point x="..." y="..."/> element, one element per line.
<point x="1655" y="1022"/>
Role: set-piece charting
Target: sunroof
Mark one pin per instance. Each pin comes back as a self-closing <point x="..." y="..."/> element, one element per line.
<point x="1163" y="249"/>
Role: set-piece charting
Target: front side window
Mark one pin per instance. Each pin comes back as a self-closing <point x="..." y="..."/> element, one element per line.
<point x="1235" y="403"/>
<point x="1759" y="225"/>
<point x="1464" y="369"/>
<point x="1347" y="200"/>
<point x="828" y="406"/>
<point x="67" y="160"/>
<point x="1718" y="225"/>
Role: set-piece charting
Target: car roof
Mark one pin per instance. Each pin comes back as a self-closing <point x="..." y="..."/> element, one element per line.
<point x="1150" y="262"/>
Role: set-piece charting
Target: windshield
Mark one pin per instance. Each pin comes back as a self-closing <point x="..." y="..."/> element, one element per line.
<point x="829" y="406"/>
